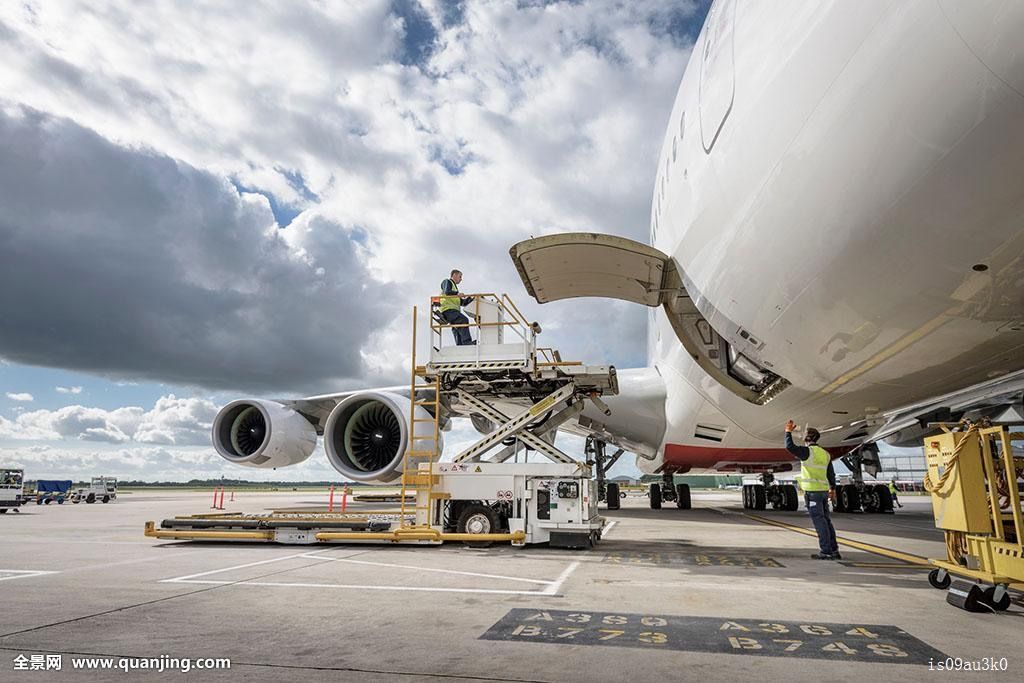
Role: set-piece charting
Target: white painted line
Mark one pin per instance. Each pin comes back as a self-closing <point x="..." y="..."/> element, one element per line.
<point x="557" y="583"/>
<point x="421" y="589"/>
<point x="23" y="573"/>
<point x="608" y="527"/>
<point x="439" y="571"/>
<point x="184" y="579"/>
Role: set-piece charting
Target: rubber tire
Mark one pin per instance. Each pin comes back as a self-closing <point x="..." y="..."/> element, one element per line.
<point x="758" y="496"/>
<point x="852" y="503"/>
<point x="91" y="498"/>
<point x="884" y="498"/>
<point x="1002" y="605"/>
<point x="39" y="501"/>
<point x="47" y="501"/>
<point x="933" y="580"/>
<point x="106" y="499"/>
<point x="474" y="509"/>
<point x="655" y="493"/>
<point x="840" y="503"/>
<point x="792" y="498"/>
<point x="776" y="502"/>
<point x="612" y="496"/>
<point x="60" y="501"/>
<point x="873" y="502"/>
<point x="3" y="511"/>
<point x="683" y="496"/>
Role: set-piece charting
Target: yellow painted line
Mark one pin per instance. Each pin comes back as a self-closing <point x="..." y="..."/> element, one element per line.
<point x="877" y="550"/>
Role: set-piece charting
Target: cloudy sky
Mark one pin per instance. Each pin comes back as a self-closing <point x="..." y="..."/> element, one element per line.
<point x="198" y="202"/>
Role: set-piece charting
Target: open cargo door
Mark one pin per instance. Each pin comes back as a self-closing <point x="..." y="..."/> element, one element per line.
<point x="576" y="264"/>
<point x="588" y="264"/>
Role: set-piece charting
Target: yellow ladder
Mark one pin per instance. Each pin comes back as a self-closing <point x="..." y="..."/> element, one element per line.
<point x="415" y="482"/>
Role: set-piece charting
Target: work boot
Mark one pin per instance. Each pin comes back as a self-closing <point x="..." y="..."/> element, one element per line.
<point x="822" y="556"/>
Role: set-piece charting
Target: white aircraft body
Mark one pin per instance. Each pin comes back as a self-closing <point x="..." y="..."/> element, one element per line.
<point x="837" y="237"/>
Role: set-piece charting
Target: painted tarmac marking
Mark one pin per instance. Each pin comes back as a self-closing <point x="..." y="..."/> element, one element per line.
<point x="692" y="560"/>
<point x="877" y="550"/>
<point x="23" y="573"/>
<point x="608" y="527"/>
<point x="550" y="587"/>
<point x="822" y="640"/>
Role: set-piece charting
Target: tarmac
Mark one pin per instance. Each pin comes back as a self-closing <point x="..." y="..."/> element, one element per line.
<point x="714" y="593"/>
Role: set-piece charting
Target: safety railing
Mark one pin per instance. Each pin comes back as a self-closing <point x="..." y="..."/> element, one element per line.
<point x="486" y="312"/>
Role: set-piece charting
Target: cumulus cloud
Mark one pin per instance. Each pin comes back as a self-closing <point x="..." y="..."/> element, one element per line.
<point x="396" y="140"/>
<point x="171" y="421"/>
<point x="24" y="397"/>
<point x="68" y="390"/>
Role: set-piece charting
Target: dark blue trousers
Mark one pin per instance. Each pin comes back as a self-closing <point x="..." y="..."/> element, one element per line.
<point x="461" y="334"/>
<point x="818" y="509"/>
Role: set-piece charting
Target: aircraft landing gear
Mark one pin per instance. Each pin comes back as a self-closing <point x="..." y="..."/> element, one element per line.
<point x="781" y="496"/>
<point x="669" y="491"/>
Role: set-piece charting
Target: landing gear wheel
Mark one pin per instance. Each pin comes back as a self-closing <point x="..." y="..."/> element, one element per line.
<point x="683" y="496"/>
<point x="613" y="496"/>
<point x="884" y="498"/>
<point x="3" y="511"/>
<point x="851" y="498"/>
<point x="1000" y="605"/>
<point x="939" y="578"/>
<point x="872" y="501"/>
<point x="758" y="497"/>
<point x="792" y="498"/>
<point x="746" y="497"/>
<point x="655" y="496"/>
<point x="476" y="518"/>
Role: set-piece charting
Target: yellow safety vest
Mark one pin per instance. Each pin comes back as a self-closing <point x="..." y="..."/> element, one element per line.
<point x="450" y="303"/>
<point x="892" y="488"/>
<point x="814" y="470"/>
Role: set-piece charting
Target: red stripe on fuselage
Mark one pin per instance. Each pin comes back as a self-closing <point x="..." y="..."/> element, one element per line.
<point x="683" y="457"/>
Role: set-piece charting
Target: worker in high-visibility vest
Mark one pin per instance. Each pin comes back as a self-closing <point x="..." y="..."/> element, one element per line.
<point x="892" y="492"/>
<point x="451" y="308"/>
<point x="818" y="480"/>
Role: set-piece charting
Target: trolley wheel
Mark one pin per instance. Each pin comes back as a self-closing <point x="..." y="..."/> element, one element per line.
<point x="612" y="496"/>
<point x="655" y="496"/>
<point x="60" y="501"/>
<point x="106" y="499"/>
<point x="937" y="582"/>
<point x="1000" y="605"/>
<point x="683" y="496"/>
<point x="476" y="518"/>
<point x="3" y="511"/>
<point x="91" y="498"/>
<point x="47" y="501"/>
<point x="622" y="494"/>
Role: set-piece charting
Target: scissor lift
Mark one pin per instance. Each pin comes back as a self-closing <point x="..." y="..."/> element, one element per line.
<point x="492" y="491"/>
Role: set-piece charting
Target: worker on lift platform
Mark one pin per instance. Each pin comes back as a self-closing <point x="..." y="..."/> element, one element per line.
<point x="451" y="308"/>
<point x="818" y="480"/>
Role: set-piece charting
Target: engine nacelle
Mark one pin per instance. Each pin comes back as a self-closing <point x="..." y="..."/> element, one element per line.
<point x="367" y="434"/>
<point x="258" y="433"/>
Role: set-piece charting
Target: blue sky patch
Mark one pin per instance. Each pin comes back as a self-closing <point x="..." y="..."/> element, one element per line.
<point x="420" y="35"/>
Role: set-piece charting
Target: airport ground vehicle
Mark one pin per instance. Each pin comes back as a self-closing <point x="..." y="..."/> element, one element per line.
<point x="54" y="491"/>
<point x="102" y="489"/>
<point x="12" y="489"/>
<point x="516" y="393"/>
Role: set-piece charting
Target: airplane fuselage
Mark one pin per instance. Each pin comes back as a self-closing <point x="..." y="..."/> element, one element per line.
<point x="840" y="188"/>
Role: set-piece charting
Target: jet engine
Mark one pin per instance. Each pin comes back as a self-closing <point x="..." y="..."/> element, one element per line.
<point x="265" y="434"/>
<point x="367" y="434"/>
